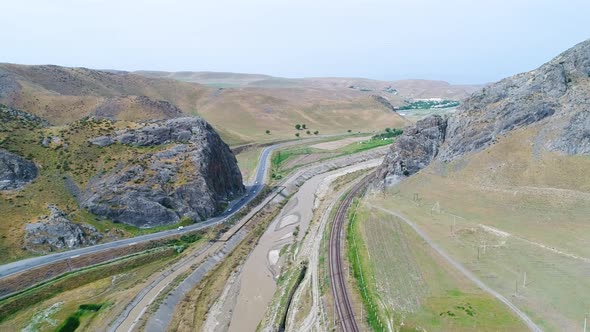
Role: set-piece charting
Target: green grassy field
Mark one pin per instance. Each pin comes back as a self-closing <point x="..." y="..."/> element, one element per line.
<point x="556" y="278"/>
<point x="410" y="287"/>
<point x="286" y="160"/>
<point x="524" y="215"/>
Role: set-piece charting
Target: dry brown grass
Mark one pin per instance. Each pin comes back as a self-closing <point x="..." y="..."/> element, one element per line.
<point x="240" y="115"/>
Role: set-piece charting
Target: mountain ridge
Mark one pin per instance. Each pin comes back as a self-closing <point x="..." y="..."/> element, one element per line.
<point x="554" y="95"/>
<point x="63" y="95"/>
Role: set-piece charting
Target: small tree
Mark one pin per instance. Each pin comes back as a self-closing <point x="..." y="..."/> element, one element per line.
<point x="297" y="134"/>
<point x="308" y="132"/>
<point x="268" y="132"/>
<point x="298" y="126"/>
<point x="304" y="126"/>
<point x="316" y="132"/>
<point x="350" y="130"/>
<point x="387" y="129"/>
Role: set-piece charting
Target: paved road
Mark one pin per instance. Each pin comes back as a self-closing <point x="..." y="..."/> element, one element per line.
<point x="252" y="190"/>
<point x="133" y="311"/>
<point x="530" y="324"/>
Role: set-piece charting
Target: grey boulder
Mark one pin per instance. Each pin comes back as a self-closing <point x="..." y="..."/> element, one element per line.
<point x="57" y="232"/>
<point x="15" y="171"/>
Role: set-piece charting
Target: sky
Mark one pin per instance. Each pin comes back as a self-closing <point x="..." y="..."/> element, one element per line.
<point x="460" y="41"/>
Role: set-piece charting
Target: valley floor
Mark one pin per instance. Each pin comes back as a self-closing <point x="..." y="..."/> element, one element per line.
<point x="523" y="243"/>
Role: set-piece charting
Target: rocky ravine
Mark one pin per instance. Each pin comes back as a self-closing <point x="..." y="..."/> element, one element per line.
<point x="556" y="95"/>
<point x="191" y="177"/>
<point x="15" y="172"/>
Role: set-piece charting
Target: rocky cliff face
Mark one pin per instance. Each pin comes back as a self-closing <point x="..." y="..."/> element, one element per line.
<point x="57" y="232"/>
<point x="414" y="149"/>
<point x="556" y="96"/>
<point x="191" y="176"/>
<point x="559" y="89"/>
<point x="15" y="172"/>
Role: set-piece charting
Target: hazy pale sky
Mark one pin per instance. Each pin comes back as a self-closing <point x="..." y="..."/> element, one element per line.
<point x="461" y="41"/>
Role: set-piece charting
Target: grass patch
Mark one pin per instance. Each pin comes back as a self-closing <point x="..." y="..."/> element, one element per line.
<point x="14" y="304"/>
<point x="363" y="146"/>
<point x="418" y="289"/>
<point x="73" y="321"/>
<point x="361" y="272"/>
<point x="287" y="160"/>
<point x="248" y="161"/>
<point x="289" y="283"/>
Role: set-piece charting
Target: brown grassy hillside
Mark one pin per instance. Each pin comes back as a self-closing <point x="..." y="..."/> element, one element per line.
<point x="408" y="88"/>
<point x="62" y="95"/>
<point x="528" y="210"/>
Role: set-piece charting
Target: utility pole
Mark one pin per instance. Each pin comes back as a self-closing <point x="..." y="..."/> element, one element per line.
<point x="585" y="323"/>
<point x="524" y="280"/>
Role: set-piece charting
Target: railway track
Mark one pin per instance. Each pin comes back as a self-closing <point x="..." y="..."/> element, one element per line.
<point x="346" y="319"/>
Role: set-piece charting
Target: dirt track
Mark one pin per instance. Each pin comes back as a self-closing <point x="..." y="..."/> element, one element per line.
<point x="530" y="324"/>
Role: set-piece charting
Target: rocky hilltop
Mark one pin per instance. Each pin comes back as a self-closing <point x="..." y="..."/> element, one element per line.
<point x="556" y="96"/>
<point x="191" y="176"/>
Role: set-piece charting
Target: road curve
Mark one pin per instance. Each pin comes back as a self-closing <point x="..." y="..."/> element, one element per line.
<point x="252" y="191"/>
<point x="31" y="263"/>
<point x="342" y="301"/>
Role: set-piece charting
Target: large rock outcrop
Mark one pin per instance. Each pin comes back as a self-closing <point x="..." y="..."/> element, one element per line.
<point x="559" y="88"/>
<point x="15" y="171"/>
<point x="556" y="96"/>
<point x="57" y="232"/>
<point x="192" y="175"/>
<point x="414" y="149"/>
